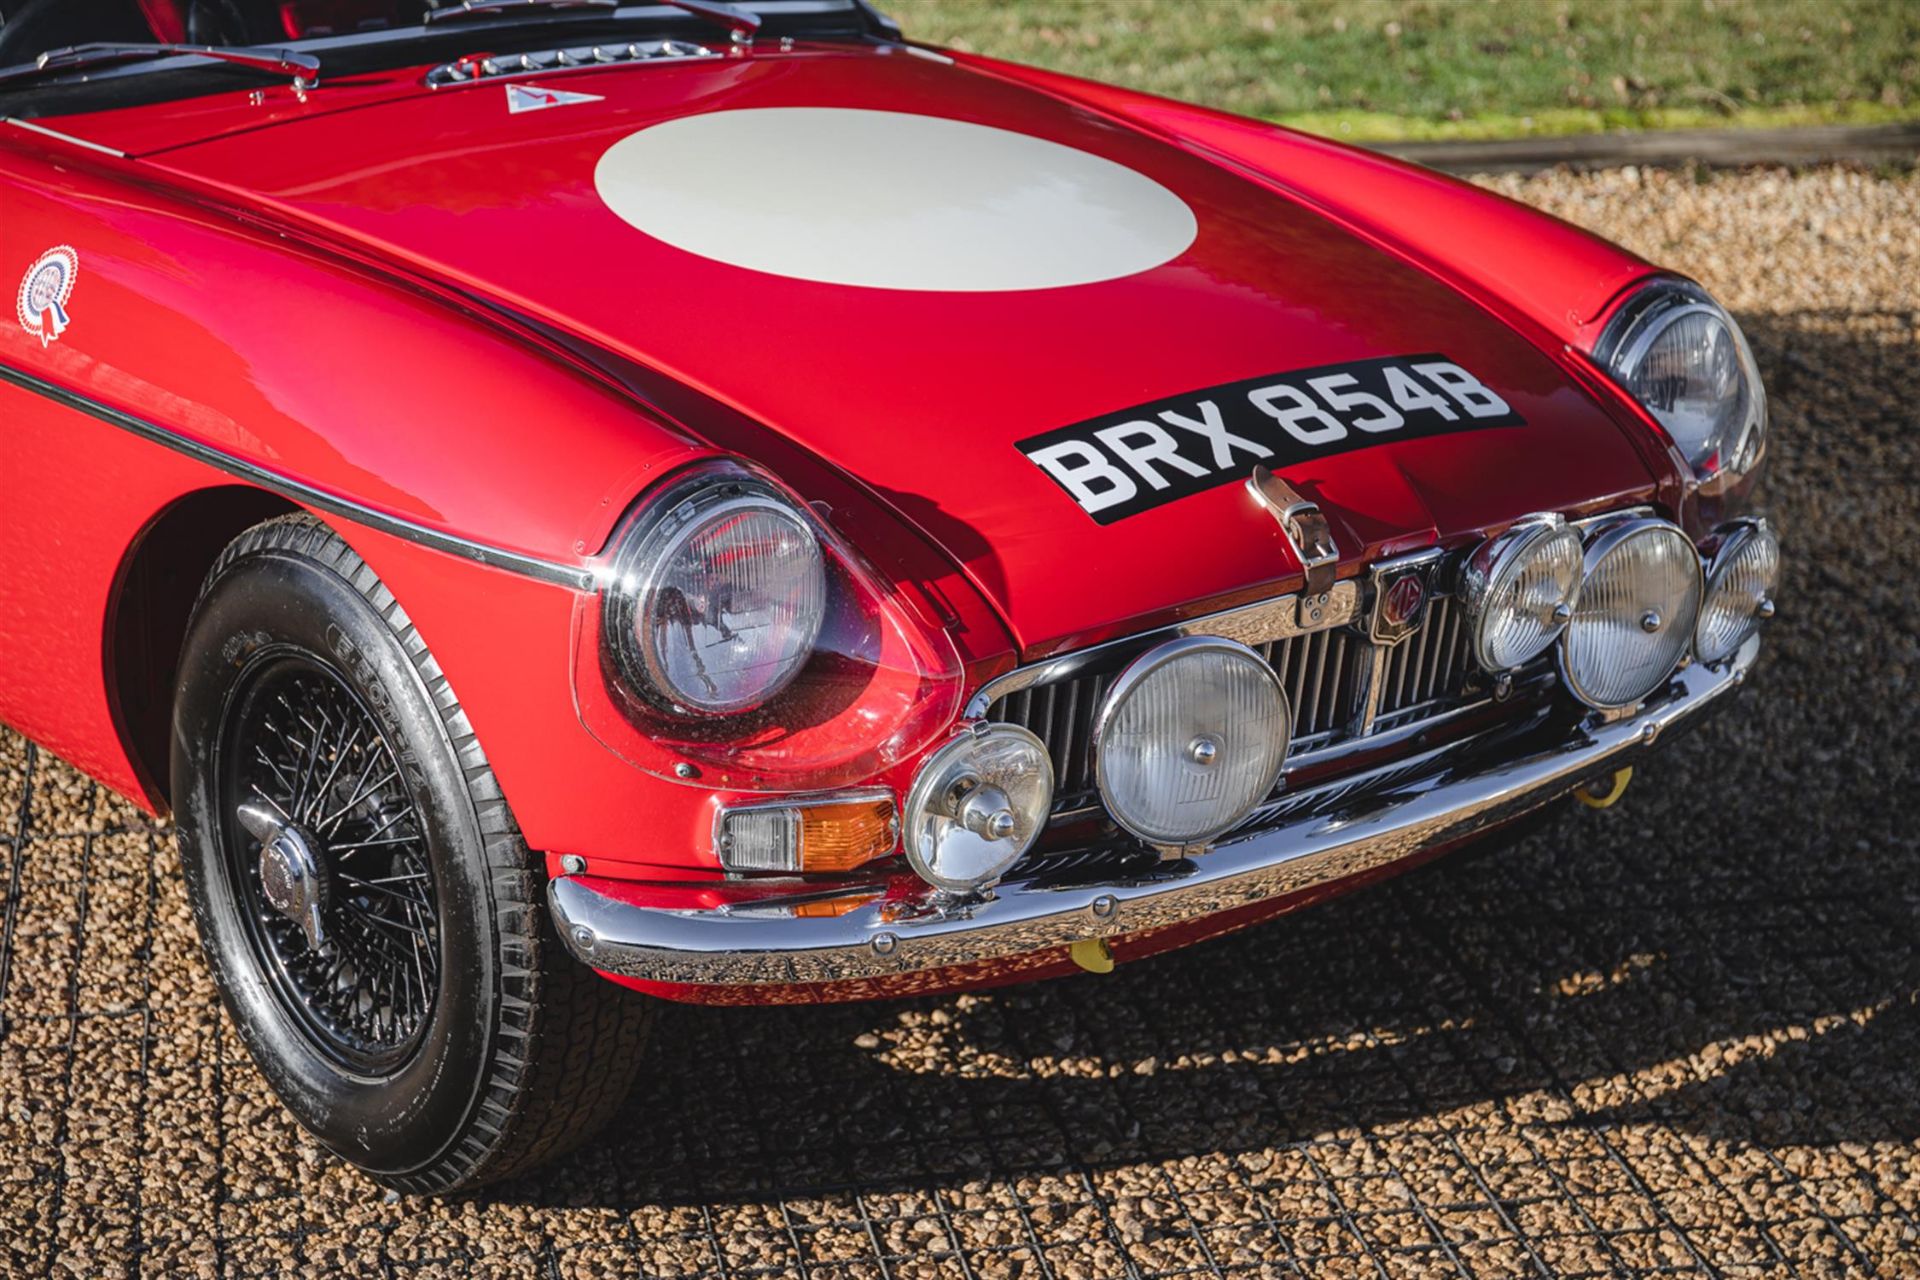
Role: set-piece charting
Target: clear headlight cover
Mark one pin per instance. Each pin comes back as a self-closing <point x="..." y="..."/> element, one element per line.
<point x="1680" y="354"/>
<point x="1739" y="591"/>
<point x="1521" y="589"/>
<point x="1634" y="621"/>
<point x="737" y="639"/>
<point x="1192" y="736"/>
<point x="720" y="601"/>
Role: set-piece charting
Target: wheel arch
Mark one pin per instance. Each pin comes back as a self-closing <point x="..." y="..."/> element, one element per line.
<point x="148" y="608"/>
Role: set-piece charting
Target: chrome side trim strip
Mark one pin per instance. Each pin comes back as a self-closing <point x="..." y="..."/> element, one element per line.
<point x="31" y="127"/>
<point x="577" y="577"/>
<point x="894" y="935"/>
<point x="1254" y="624"/>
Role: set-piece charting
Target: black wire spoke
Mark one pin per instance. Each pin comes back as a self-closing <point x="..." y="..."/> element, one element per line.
<point x="370" y="886"/>
<point x="266" y="760"/>
<point x="331" y="824"/>
<point x="344" y="851"/>
<point x="313" y="760"/>
<point x="339" y="753"/>
<point x="303" y="742"/>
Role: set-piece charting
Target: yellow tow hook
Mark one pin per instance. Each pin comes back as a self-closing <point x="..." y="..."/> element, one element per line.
<point x="1604" y="793"/>
<point x="1093" y="955"/>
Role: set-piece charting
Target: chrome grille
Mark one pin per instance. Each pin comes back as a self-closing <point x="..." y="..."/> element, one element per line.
<point x="1061" y="715"/>
<point x="1322" y="671"/>
<point x="1314" y="670"/>
<point x="1427" y="671"/>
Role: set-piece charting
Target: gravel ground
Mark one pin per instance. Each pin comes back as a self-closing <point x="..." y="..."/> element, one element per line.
<point x="1677" y="1037"/>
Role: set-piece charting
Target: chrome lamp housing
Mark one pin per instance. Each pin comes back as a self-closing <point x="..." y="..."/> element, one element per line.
<point x="1520" y="590"/>
<point x="1683" y="358"/>
<point x="1740" y="585"/>
<point x="976" y="805"/>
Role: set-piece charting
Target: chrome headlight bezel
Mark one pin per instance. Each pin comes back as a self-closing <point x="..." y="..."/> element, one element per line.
<point x="1720" y="456"/>
<point x="1736" y="540"/>
<point x="1492" y="568"/>
<point x="660" y="529"/>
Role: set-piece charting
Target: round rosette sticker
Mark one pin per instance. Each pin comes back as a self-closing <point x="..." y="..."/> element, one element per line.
<point x="42" y="304"/>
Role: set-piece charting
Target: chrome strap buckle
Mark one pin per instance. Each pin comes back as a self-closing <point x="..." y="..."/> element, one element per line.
<point x="1305" y="528"/>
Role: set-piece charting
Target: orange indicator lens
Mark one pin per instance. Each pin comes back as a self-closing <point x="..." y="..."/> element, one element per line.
<point x="839" y="837"/>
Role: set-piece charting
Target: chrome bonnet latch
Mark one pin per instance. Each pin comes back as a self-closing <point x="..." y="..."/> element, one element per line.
<point x="1305" y="528"/>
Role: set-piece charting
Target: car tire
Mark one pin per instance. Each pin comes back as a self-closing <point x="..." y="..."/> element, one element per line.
<point x="436" y="1034"/>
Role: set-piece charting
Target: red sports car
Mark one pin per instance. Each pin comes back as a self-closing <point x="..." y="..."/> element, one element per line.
<point x="741" y="502"/>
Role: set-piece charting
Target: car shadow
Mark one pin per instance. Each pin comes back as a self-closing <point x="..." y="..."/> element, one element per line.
<point x="1739" y="926"/>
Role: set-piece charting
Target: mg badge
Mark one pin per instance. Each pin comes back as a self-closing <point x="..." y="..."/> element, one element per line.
<point x="1402" y="603"/>
<point x="1400" y="591"/>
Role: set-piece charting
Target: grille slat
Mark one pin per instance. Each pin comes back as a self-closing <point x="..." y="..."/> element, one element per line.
<point x="1419" y="660"/>
<point x="1321" y="673"/>
<point x="1298" y="669"/>
<point x="1087" y="696"/>
<point x="1069" y="728"/>
<point x="1428" y="659"/>
<point x="1336" y="687"/>
<point x="1050" y="728"/>
<point x="1396" y="677"/>
<point x="1442" y="680"/>
<point x="1323" y="643"/>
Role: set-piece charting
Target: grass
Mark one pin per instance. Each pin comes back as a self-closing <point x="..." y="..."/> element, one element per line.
<point x="1374" y="70"/>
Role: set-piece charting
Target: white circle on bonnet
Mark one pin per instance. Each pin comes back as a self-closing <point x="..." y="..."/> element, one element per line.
<point x="888" y="200"/>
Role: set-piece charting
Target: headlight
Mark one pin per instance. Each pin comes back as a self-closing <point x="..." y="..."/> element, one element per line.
<point x="1636" y="612"/>
<point x="1520" y="590"/>
<point x="1682" y="356"/>
<point x="718" y="598"/>
<point x="1191" y="737"/>
<point x="976" y="805"/>
<point x="1739" y="591"/>
<point x="738" y="638"/>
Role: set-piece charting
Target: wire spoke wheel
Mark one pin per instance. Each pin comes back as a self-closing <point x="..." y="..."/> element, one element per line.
<point x="350" y="936"/>
<point x="371" y="910"/>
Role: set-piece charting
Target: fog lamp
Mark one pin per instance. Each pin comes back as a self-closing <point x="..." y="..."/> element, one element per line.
<point x="1191" y="737"/>
<point x="1739" y="590"/>
<point x="827" y="833"/>
<point x="976" y="805"/>
<point x="1520" y="590"/>
<point x="1635" y="617"/>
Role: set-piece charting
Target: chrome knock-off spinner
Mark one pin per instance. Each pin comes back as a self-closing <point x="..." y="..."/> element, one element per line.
<point x="289" y="868"/>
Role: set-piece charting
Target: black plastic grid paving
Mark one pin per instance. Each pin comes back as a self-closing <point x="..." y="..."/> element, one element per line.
<point x="1676" y="1038"/>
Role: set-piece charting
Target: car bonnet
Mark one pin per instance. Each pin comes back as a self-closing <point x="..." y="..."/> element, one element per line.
<point x="948" y="286"/>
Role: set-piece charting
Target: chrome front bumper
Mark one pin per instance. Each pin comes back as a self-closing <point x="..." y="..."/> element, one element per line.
<point x="1467" y="792"/>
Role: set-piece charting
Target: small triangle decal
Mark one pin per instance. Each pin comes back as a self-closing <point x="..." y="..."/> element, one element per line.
<point x="527" y="97"/>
